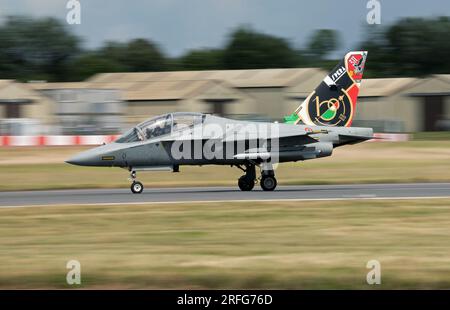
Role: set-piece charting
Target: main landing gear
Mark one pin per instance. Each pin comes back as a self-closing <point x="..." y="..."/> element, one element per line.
<point x="136" y="186"/>
<point x="268" y="181"/>
<point x="247" y="181"/>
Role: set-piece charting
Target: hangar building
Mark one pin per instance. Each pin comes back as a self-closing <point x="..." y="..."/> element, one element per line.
<point x="109" y="102"/>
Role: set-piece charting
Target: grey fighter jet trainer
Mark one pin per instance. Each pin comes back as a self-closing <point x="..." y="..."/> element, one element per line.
<point x="320" y="124"/>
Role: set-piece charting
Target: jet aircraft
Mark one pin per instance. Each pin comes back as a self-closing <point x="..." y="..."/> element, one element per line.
<point x="321" y="123"/>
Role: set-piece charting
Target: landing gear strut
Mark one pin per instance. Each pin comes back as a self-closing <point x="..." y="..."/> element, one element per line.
<point x="136" y="186"/>
<point x="247" y="181"/>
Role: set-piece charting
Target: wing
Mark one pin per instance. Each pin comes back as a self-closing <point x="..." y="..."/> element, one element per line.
<point x="294" y="146"/>
<point x="285" y="139"/>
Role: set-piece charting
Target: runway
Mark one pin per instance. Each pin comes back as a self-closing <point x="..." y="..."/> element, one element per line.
<point x="206" y="194"/>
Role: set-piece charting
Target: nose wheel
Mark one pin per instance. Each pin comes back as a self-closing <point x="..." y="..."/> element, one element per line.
<point x="136" y="186"/>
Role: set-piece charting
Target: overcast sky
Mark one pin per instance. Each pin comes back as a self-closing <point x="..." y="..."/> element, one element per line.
<point x="180" y="25"/>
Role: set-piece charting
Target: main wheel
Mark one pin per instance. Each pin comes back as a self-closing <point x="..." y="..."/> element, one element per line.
<point x="137" y="187"/>
<point x="245" y="184"/>
<point x="268" y="183"/>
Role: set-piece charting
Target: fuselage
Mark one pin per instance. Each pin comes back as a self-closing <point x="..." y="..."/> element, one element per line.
<point x="217" y="140"/>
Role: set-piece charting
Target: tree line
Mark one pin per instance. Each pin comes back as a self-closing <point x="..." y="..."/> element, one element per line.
<point x="45" y="49"/>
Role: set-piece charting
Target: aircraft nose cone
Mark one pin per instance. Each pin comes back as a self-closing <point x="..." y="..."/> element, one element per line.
<point x="71" y="161"/>
<point x="86" y="158"/>
<point x="80" y="159"/>
<point x="101" y="156"/>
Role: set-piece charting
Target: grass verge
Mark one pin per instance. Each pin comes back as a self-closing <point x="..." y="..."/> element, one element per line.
<point x="288" y="245"/>
<point x="416" y="161"/>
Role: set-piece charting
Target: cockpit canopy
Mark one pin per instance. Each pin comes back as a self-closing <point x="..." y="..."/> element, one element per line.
<point x="161" y="125"/>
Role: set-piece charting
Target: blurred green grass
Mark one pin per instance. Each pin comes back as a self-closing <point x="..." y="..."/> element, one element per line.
<point x="432" y="135"/>
<point x="415" y="161"/>
<point x="292" y="245"/>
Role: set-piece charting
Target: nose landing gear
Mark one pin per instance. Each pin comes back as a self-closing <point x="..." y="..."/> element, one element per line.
<point x="136" y="186"/>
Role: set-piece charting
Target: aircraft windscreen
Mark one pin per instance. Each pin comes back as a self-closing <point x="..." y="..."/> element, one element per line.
<point x="160" y="126"/>
<point x="131" y="135"/>
<point x="156" y="127"/>
<point x="182" y="121"/>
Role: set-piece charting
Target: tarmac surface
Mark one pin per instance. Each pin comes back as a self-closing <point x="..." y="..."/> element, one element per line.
<point x="224" y="194"/>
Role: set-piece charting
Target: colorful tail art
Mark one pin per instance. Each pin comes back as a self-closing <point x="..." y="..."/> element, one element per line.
<point x="333" y="102"/>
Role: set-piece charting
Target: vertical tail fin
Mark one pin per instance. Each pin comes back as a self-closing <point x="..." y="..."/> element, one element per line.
<point x="333" y="102"/>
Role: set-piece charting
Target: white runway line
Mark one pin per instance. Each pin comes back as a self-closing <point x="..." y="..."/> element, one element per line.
<point x="117" y="204"/>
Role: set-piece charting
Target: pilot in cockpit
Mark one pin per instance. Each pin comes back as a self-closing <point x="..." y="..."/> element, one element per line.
<point x="160" y="128"/>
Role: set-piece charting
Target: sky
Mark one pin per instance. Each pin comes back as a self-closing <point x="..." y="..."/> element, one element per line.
<point x="181" y="25"/>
